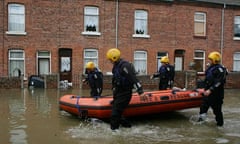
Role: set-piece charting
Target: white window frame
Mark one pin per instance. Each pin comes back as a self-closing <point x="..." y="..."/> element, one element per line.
<point x="90" y="58"/>
<point x="236" y="27"/>
<point x="200" y="58"/>
<point x="39" y="56"/>
<point x="141" y="24"/>
<point x="91" y="12"/>
<point x="16" y="13"/>
<point x="12" y="72"/>
<point x="236" y="61"/>
<point x="198" y="20"/>
<point x="137" y="58"/>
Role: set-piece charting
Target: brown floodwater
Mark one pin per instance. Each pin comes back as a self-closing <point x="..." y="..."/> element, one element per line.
<point x="33" y="117"/>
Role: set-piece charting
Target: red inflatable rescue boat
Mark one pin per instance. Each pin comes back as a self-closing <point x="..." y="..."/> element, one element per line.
<point x="156" y="102"/>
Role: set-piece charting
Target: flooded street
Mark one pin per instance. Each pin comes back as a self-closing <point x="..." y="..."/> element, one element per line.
<point x="33" y="117"/>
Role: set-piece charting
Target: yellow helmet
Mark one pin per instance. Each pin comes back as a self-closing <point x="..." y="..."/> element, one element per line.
<point x="215" y="57"/>
<point x="113" y="54"/>
<point x="90" y="65"/>
<point x="164" y="59"/>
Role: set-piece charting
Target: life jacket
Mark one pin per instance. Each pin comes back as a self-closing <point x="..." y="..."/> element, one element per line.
<point x="167" y="72"/>
<point x="213" y="71"/>
<point x="118" y="79"/>
<point x="95" y="75"/>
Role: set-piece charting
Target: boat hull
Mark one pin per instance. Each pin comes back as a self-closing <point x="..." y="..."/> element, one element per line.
<point x="156" y="102"/>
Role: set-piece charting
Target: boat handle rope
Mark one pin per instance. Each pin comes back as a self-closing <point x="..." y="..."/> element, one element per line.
<point x="78" y="106"/>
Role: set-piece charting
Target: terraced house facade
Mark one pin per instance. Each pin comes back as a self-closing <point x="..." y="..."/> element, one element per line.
<point x="42" y="37"/>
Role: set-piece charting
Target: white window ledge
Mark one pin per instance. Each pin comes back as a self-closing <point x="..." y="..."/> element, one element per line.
<point x="16" y="33"/>
<point x="91" y="33"/>
<point x="141" y="35"/>
<point x="236" y="38"/>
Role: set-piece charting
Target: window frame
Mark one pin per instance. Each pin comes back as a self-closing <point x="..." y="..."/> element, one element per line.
<point x="18" y="15"/>
<point x="236" y="29"/>
<point x="10" y="72"/>
<point x="200" y="58"/>
<point x="89" y="58"/>
<point x="88" y="14"/>
<point x="236" y="62"/>
<point x="204" y="21"/>
<point x="142" y="20"/>
<point x="43" y="57"/>
<point x="140" y="59"/>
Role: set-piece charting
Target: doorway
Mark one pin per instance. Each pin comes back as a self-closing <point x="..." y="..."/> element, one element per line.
<point x="65" y="64"/>
<point x="179" y="60"/>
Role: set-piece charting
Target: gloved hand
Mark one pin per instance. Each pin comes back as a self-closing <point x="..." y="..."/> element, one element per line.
<point x="143" y="97"/>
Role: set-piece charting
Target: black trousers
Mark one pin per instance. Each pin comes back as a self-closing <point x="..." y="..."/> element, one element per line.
<point x="216" y="105"/>
<point x="121" y="100"/>
<point x="163" y="84"/>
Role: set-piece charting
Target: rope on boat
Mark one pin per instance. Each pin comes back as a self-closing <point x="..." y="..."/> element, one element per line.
<point x="78" y="106"/>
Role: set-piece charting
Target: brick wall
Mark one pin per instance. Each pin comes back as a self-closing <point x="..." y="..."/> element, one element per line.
<point x="52" y="24"/>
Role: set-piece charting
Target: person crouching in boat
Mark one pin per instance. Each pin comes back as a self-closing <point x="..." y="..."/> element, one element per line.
<point x="94" y="79"/>
<point x="123" y="81"/>
<point x="165" y="73"/>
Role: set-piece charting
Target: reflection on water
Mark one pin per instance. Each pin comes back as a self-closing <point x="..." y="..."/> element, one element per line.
<point x="32" y="117"/>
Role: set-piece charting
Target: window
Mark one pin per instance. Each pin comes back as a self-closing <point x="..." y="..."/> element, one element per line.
<point x="43" y="65"/>
<point x="200" y="24"/>
<point x="91" y="20"/>
<point x="16" y="63"/>
<point x="140" y="62"/>
<point x="236" y="61"/>
<point x="140" y="23"/>
<point x="16" y="19"/>
<point x="237" y="27"/>
<point x="199" y="60"/>
<point x="90" y="55"/>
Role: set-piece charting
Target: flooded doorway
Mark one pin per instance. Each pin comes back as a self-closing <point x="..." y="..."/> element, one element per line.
<point x="65" y="65"/>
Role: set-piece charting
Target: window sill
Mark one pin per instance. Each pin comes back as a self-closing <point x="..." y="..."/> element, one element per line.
<point x="15" y="33"/>
<point x="91" y="33"/>
<point x="236" y="38"/>
<point x="141" y="36"/>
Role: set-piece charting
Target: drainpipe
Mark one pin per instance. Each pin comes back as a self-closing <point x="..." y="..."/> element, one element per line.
<point x="222" y="32"/>
<point x="116" y="36"/>
<point x="3" y="16"/>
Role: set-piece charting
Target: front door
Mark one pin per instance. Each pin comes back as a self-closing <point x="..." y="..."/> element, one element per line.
<point x="179" y="60"/>
<point x="65" y="64"/>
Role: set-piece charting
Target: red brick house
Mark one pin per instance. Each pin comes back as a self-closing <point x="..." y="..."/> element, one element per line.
<point x="59" y="36"/>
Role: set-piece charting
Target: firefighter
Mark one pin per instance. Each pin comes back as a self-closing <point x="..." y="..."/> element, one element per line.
<point x="165" y="73"/>
<point x="215" y="78"/>
<point x="123" y="81"/>
<point x="94" y="80"/>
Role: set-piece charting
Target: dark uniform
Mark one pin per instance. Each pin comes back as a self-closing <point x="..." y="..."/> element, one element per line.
<point x="124" y="80"/>
<point x="166" y="75"/>
<point x="214" y="81"/>
<point x="95" y="81"/>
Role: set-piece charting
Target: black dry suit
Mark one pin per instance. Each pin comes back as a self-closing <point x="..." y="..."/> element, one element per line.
<point x="124" y="80"/>
<point x="166" y="75"/>
<point x="95" y="81"/>
<point x="214" y="81"/>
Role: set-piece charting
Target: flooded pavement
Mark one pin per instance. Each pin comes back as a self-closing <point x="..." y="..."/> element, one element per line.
<point x="33" y="117"/>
